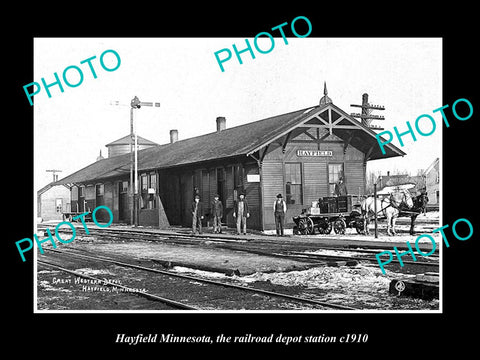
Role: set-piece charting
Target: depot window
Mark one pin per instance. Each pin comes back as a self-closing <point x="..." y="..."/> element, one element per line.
<point x="335" y="171"/>
<point x="99" y="189"/>
<point x="148" y="197"/>
<point x="124" y="187"/>
<point x="294" y="186"/>
<point x="144" y="182"/>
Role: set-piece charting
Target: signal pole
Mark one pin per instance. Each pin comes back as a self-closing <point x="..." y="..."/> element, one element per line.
<point x="135" y="104"/>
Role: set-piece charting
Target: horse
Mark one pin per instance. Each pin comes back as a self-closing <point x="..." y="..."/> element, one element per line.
<point x="419" y="206"/>
<point x="390" y="207"/>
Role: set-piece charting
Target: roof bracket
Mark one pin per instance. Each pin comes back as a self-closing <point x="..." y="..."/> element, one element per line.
<point x="347" y="142"/>
<point x="264" y="153"/>
<point x="369" y="152"/>
<point x="286" y="141"/>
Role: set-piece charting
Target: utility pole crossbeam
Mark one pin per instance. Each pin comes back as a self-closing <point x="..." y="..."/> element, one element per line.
<point x="54" y="171"/>
<point x="366" y="115"/>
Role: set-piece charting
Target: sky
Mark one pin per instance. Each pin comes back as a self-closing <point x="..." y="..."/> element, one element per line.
<point x="71" y="128"/>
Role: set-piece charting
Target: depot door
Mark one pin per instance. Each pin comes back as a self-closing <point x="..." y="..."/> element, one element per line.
<point x="123" y="210"/>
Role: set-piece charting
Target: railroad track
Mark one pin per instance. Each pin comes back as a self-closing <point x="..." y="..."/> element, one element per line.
<point x="198" y="288"/>
<point x="281" y="248"/>
<point x="172" y="303"/>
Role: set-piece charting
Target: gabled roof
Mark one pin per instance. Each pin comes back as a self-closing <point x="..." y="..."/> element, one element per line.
<point x="49" y="186"/>
<point x="240" y="140"/>
<point x="432" y="165"/>
<point x="126" y="141"/>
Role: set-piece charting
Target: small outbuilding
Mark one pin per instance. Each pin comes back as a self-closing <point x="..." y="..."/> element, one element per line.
<point x="52" y="201"/>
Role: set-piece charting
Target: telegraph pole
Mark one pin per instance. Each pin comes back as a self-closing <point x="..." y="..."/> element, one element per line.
<point x="55" y="177"/>
<point x="366" y="115"/>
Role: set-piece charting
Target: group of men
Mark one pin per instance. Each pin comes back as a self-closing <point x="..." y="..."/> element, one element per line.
<point x="241" y="213"/>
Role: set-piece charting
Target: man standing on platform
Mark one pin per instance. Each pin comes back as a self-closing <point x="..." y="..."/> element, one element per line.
<point x="197" y="215"/>
<point x="241" y="212"/>
<point x="279" y="210"/>
<point x="340" y="187"/>
<point x="217" y="210"/>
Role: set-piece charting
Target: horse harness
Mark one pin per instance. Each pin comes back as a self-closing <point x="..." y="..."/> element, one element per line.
<point x="393" y="204"/>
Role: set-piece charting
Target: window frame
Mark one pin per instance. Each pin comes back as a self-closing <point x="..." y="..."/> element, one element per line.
<point x="331" y="185"/>
<point x="99" y="186"/>
<point x="289" y="183"/>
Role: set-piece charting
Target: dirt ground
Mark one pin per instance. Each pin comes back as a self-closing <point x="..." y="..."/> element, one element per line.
<point x="362" y="286"/>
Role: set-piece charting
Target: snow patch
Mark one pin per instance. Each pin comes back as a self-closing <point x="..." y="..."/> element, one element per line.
<point x="328" y="278"/>
<point x="202" y="273"/>
<point x="88" y="271"/>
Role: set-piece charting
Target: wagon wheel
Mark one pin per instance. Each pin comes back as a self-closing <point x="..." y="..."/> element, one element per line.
<point x="359" y="226"/>
<point x="305" y="226"/>
<point x="325" y="227"/>
<point x="339" y="226"/>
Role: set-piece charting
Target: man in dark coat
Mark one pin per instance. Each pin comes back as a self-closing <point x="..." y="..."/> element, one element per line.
<point x="241" y="212"/>
<point x="197" y="215"/>
<point x="340" y="188"/>
<point x="217" y="212"/>
<point x="279" y="210"/>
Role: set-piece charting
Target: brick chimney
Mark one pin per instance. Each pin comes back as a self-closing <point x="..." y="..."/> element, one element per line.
<point x="173" y="136"/>
<point x="221" y="123"/>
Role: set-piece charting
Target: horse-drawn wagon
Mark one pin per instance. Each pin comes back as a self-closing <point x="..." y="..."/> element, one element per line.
<point x="350" y="211"/>
<point x="329" y="213"/>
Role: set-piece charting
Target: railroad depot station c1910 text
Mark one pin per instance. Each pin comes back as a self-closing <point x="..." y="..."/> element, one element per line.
<point x="301" y="154"/>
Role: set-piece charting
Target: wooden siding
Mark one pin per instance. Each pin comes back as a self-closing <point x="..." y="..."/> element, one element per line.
<point x="315" y="182"/>
<point x="107" y="200"/>
<point x="90" y="192"/>
<point x="252" y="191"/>
<point x="229" y="187"/>
<point x="314" y="171"/>
<point x="272" y="173"/>
<point x="47" y="206"/>
<point x="169" y="190"/>
<point x="212" y="183"/>
<point x="273" y="184"/>
<point x="148" y="217"/>
<point x="354" y="177"/>
<point x="205" y="191"/>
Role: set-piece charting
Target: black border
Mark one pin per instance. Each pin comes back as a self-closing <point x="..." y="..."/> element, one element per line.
<point x="388" y="333"/>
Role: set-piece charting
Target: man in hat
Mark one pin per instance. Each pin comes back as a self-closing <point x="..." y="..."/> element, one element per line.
<point x="217" y="212"/>
<point x="340" y="187"/>
<point x="240" y="211"/>
<point x="279" y="210"/>
<point x="197" y="215"/>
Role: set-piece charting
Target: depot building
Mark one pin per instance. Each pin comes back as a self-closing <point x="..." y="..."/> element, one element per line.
<point x="300" y="154"/>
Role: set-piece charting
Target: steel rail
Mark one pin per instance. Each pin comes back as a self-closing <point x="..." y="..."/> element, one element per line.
<point x="360" y="258"/>
<point x="249" y="248"/>
<point x="207" y="281"/>
<point x="170" y="302"/>
<point x="225" y="244"/>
